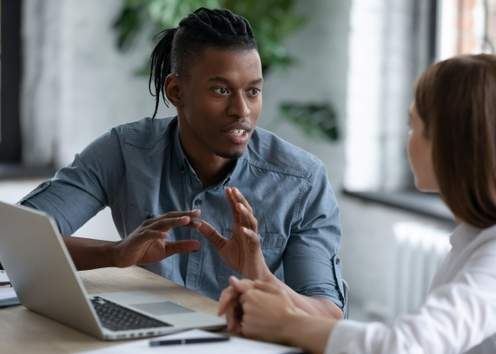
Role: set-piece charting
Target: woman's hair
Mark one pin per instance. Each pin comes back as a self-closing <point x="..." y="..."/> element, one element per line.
<point x="456" y="100"/>
<point x="202" y="29"/>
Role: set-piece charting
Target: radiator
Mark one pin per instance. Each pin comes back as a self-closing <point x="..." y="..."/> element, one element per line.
<point x="419" y="250"/>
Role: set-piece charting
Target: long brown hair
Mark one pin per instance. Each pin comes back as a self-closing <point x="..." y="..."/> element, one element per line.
<point x="456" y="100"/>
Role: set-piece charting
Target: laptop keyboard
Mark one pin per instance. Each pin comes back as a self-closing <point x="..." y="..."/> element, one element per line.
<point x="119" y="318"/>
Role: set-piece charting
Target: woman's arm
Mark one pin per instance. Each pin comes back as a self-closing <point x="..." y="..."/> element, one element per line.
<point x="455" y="317"/>
<point x="270" y="314"/>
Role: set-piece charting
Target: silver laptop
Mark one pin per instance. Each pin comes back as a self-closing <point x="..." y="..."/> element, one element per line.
<point x="46" y="281"/>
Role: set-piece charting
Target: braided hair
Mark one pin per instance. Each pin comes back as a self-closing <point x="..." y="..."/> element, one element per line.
<point x="202" y="29"/>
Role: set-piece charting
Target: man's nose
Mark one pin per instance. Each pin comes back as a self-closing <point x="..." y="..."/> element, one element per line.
<point x="239" y="105"/>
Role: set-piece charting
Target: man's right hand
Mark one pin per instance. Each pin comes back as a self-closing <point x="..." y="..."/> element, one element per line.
<point x="148" y="244"/>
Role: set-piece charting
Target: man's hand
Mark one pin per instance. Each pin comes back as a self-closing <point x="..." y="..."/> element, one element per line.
<point x="243" y="251"/>
<point x="148" y="243"/>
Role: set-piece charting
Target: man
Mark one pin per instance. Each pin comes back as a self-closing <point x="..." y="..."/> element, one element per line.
<point x="246" y="201"/>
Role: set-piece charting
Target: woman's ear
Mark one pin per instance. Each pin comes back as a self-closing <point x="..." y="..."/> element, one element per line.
<point x="173" y="90"/>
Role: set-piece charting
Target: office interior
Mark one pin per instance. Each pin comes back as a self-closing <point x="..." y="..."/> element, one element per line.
<point x="65" y="82"/>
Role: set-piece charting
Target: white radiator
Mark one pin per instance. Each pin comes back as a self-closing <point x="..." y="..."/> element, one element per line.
<point x="419" y="251"/>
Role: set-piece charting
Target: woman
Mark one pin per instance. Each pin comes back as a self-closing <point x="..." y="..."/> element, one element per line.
<point x="452" y="151"/>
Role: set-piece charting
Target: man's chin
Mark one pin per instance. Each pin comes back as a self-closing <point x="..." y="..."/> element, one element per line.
<point x="232" y="154"/>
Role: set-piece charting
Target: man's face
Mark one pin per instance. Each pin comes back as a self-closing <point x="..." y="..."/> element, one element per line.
<point x="220" y="101"/>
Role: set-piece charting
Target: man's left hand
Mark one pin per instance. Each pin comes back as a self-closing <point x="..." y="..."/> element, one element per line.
<point x="242" y="252"/>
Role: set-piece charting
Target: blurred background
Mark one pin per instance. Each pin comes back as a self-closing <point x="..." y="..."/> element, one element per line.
<point x="339" y="79"/>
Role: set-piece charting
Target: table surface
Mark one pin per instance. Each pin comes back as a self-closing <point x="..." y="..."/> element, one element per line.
<point x="23" y="331"/>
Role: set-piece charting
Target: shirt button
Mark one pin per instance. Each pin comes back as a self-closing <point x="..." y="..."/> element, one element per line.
<point x="338" y="260"/>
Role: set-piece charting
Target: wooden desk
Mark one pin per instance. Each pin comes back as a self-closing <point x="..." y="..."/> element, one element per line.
<point x="23" y="331"/>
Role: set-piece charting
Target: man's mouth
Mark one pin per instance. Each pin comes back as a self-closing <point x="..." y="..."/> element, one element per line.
<point x="238" y="132"/>
<point x="238" y="136"/>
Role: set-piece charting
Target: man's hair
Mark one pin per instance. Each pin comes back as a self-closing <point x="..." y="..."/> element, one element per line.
<point x="456" y="100"/>
<point x="202" y="29"/>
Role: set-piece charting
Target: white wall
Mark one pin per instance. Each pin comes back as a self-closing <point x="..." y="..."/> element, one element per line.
<point x="369" y="254"/>
<point x="100" y="226"/>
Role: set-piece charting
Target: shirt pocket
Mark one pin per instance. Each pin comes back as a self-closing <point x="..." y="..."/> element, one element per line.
<point x="273" y="244"/>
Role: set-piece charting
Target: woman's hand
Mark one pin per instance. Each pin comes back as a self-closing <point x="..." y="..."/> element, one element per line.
<point x="229" y="304"/>
<point x="267" y="310"/>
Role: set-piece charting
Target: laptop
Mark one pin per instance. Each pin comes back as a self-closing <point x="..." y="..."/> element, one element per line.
<point x="45" y="279"/>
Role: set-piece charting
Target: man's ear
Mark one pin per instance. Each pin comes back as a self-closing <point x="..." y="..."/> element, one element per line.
<point x="172" y="89"/>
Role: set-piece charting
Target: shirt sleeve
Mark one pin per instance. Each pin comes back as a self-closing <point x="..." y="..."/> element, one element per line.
<point x="455" y="317"/>
<point x="79" y="191"/>
<point x="311" y="264"/>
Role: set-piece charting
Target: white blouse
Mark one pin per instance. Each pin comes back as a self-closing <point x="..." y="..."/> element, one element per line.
<point x="458" y="316"/>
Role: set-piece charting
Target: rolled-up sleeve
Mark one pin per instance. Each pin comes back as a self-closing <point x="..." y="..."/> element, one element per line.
<point x="311" y="263"/>
<point x="79" y="191"/>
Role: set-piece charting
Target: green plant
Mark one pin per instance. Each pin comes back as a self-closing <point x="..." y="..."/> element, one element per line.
<point x="272" y="22"/>
<point x="315" y="119"/>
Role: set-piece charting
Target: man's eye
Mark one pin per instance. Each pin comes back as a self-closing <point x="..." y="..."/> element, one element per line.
<point x="254" y="92"/>
<point x="221" y="91"/>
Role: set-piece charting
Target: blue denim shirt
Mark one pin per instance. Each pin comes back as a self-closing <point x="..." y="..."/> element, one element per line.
<point x="139" y="170"/>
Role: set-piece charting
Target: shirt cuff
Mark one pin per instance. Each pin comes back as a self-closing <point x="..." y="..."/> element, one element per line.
<point x="347" y="337"/>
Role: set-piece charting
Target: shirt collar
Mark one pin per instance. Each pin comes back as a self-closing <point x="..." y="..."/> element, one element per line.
<point x="463" y="235"/>
<point x="185" y="166"/>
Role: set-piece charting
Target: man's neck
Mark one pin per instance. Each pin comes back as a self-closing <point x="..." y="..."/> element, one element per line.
<point x="210" y="168"/>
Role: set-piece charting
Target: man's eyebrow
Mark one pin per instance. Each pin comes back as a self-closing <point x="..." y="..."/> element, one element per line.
<point x="256" y="82"/>
<point x="226" y="81"/>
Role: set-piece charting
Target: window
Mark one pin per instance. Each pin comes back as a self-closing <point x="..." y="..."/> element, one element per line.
<point x="441" y="29"/>
<point x="466" y="26"/>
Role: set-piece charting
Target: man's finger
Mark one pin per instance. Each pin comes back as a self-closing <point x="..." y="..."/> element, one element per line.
<point x="249" y="219"/>
<point x="251" y="238"/>
<point x="211" y="235"/>
<point x="174" y="214"/>
<point x="195" y="213"/>
<point x="232" y="202"/>
<point x="241" y="198"/>
<point x="181" y="246"/>
<point x="151" y="235"/>
<point x="168" y="223"/>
